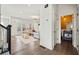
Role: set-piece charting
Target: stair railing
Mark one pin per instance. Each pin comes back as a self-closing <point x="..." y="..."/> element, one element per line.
<point x="8" y="39"/>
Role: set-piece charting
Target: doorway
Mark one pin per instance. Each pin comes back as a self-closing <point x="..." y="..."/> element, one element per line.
<point x="66" y="29"/>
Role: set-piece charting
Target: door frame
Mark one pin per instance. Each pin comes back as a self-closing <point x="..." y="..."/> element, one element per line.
<point x="74" y="31"/>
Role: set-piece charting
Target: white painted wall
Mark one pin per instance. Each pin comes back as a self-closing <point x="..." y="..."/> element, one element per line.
<point x="0" y="22"/>
<point x="77" y="28"/>
<point x="20" y="10"/>
<point x="67" y="9"/>
<point x="47" y="27"/>
<point x="55" y="24"/>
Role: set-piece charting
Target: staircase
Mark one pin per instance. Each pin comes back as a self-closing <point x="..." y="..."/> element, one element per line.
<point x="5" y="40"/>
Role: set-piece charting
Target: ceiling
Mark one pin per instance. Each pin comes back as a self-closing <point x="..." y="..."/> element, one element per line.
<point x="26" y="11"/>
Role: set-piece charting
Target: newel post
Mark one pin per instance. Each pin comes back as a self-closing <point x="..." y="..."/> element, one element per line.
<point x="9" y="38"/>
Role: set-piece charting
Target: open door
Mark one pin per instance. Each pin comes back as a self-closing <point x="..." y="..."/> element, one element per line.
<point x="46" y="31"/>
<point x="66" y="28"/>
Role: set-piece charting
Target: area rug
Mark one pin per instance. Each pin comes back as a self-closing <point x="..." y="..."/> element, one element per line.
<point x="26" y="40"/>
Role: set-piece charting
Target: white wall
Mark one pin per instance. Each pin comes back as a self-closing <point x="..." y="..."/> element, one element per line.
<point x="47" y="27"/>
<point x="0" y="21"/>
<point x="20" y="10"/>
<point x="77" y="28"/>
<point x="55" y="24"/>
<point x="67" y="9"/>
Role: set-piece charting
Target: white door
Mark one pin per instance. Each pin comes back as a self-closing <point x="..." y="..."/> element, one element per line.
<point x="46" y="27"/>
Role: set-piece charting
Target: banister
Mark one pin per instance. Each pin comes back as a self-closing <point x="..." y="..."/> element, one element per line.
<point x="3" y="26"/>
<point x="8" y="28"/>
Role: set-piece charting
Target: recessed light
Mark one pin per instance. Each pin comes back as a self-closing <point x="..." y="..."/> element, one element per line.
<point x="28" y="5"/>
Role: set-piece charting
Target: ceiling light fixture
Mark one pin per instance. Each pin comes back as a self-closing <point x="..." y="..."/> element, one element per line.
<point x="35" y="17"/>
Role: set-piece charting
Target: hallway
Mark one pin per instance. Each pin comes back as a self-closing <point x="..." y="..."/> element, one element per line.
<point x="43" y="22"/>
<point x="34" y="49"/>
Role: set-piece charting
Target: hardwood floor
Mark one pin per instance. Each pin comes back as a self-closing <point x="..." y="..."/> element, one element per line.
<point x="18" y="48"/>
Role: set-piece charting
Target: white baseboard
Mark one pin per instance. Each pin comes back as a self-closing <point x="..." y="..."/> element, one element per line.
<point x="77" y="49"/>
